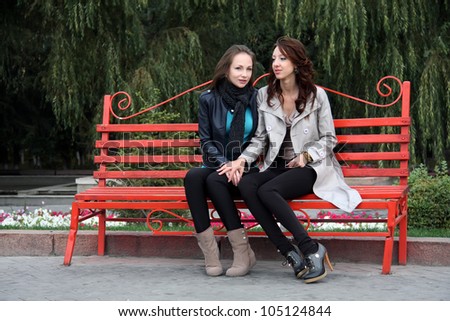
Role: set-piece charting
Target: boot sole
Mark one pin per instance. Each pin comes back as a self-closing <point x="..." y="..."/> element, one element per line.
<point x="302" y="273"/>
<point x="317" y="278"/>
<point x="214" y="273"/>
<point x="233" y="275"/>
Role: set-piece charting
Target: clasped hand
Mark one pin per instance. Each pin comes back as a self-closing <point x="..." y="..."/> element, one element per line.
<point x="233" y="170"/>
<point x="298" y="161"/>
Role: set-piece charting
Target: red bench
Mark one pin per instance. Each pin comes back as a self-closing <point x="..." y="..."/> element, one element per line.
<point x="129" y="153"/>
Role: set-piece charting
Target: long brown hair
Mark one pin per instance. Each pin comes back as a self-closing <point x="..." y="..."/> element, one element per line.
<point x="224" y="64"/>
<point x="295" y="51"/>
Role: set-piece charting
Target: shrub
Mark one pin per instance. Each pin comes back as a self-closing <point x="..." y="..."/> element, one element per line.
<point x="429" y="198"/>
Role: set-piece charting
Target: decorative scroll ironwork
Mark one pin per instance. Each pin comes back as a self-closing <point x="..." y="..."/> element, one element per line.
<point x="380" y="83"/>
<point x="259" y="78"/>
<point x="218" y="227"/>
<point x="385" y="95"/>
<point x="125" y="103"/>
<point x="160" y="223"/>
<point x="85" y="214"/>
<point x="308" y="219"/>
<point x="251" y="223"/>
<point x="128" y="101"/>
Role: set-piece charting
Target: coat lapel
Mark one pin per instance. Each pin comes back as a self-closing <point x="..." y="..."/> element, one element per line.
<point x="310" y="108"/>
<point x="275" y="110"/>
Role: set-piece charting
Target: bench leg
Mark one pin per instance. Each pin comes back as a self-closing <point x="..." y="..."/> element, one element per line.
<point x="101" y="233"/>
<point x="403" y="242"/>
<point x="72" y="234"/>
<point x="387" y="259"/>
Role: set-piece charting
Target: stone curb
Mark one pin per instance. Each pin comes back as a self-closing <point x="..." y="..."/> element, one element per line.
<point x="421" y="251"/>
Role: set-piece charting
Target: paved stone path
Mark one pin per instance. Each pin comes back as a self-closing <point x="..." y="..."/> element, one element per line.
<point x="131" y="278"/>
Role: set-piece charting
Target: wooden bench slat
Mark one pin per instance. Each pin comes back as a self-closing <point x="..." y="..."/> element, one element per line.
<point x="162" y="173"/>
<point x="373" y="139"/>
<point x="375" y="172"/>
<point x="105" y="128"/>
<point x="372" y="122"/>
<point x="195" y="142"/>
<point x="154" y="143"/>
<point x="149" y="159"/>
<point x="166" y="159"/>
<point x="339" y="123"/>
<point x="143" y="193"/>
<point x="155" y="173"/>
<point x="141" y="174"/>
<point x="372" y="156"/>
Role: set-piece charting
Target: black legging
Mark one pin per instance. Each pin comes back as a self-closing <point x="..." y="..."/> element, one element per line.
<point x="266" y="193"/>
<point x="201" y="183"/>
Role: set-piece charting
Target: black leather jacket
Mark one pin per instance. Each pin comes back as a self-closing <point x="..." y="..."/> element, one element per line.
<point x="212" y="122"/>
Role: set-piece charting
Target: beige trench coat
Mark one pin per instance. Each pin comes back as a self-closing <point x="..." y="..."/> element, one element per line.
<point x="312" y="131"/>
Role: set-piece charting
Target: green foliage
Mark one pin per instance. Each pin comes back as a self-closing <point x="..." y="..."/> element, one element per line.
<point x="176" y="54"/>
<point x="356" y="43"/>
<point x="59" y="58"/>
<point x="429" y="198"/>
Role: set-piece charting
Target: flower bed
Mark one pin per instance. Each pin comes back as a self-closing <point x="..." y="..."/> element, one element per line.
<point x="42" y="218"/>
<point x="348" y="221"/>
<point x="348" y="225"/>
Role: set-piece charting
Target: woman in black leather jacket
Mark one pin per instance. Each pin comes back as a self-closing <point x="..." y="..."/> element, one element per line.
<point x="227" y="119"/>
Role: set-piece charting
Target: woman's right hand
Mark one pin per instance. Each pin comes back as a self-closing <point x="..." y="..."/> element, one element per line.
<point x="233" y="170"/>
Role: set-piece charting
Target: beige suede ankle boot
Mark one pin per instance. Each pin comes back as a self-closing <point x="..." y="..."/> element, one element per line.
<point x="241" y="253"/>
<point x="251" y="256"/>
<point x="207" y="243"/>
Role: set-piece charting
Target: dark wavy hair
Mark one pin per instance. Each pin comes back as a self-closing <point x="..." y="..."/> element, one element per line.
<point x="225" y="61"/>
<point x="295" y="51"/>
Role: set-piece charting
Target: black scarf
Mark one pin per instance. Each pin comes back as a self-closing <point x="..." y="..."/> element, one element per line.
<point x="236" y="99"/>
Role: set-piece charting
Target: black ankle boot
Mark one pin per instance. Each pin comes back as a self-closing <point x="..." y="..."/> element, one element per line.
<point x="315" y="264"/>
<point x="296" y="261"/>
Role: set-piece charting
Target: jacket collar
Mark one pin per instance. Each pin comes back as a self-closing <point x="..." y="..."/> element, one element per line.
<point x="309" y="109"/>
<point x="277" y="110"/>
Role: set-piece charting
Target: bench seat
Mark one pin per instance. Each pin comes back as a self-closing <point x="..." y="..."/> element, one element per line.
<point x="176" y="193"/>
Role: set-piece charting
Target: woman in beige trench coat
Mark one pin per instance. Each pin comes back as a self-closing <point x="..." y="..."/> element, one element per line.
<point x="296" y="135"/>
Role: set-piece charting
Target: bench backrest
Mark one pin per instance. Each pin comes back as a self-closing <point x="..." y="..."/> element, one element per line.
<point x="130" y="152"/>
